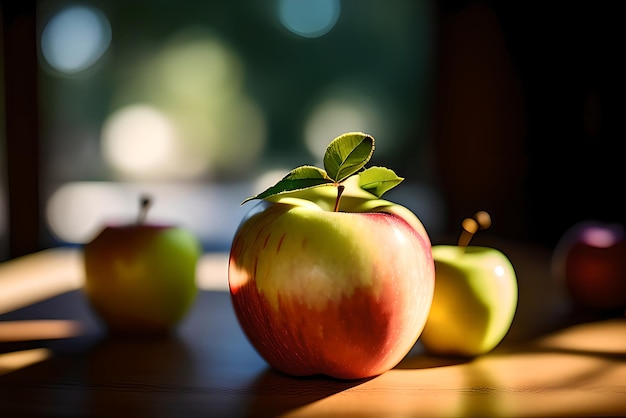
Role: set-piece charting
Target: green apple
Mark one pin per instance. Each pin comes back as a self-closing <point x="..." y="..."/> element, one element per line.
<point x="474" y="302"/>
<point x="331" y="279"/>
<point x="141" y="278"/>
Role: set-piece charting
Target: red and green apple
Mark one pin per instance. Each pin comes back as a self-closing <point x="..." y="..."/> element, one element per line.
<point x="475" y="297"/>
<point x="141" y="277"/>
<point x="328" y="278"/>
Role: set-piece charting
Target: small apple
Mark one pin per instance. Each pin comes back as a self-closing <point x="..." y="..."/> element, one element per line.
<point x="590" y="260"/>
<point x="475" y="296"/>
<point x="327" y="278"/>
<point x="140" y="278"/>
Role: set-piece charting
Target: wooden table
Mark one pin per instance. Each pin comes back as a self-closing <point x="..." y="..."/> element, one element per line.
<point x="55" y="359"/>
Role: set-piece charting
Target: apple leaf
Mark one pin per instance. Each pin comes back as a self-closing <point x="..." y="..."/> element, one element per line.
<point x="378" y="180"/>
<point x="303" y="177"/>
<point x="347" y="154"/>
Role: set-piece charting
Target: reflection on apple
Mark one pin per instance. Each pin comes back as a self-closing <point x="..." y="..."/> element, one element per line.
<point x="140" y="278"/>
<point x="590" y="261"/>
<point x="475" y="296"/>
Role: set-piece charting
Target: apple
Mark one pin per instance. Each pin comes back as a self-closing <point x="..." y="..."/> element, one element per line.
<point x="140" y="278"/>
<point x="590" y="261"/>
<point x="475" y="297"/>
<point x="329" y="279"/>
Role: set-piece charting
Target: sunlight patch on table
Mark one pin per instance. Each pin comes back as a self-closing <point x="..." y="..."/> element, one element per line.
<point x="39" y="276"/>
<point x="38" y="329"/>
<point x="10" y="362"/>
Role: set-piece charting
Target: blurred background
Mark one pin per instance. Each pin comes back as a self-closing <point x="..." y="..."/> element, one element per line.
<point x="513" y="108"/>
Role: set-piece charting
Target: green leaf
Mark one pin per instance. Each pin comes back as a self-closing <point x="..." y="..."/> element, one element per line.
<point x="303" y="177"/>
<point x="347" y="154"/>
<point x="378" y="180"/>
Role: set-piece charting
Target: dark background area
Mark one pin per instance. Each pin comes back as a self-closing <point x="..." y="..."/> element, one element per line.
<point x="526" y="117"/>
<point x="530" y="120"/>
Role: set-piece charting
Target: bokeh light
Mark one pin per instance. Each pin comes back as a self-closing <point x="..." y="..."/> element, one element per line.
<point x="184" y="106"/>
<point x="75" y="38"/>
<point x="309" y="18"/>
<point x="77" y="211"/>
<point x="140" y="142"/>
<point x="196" y="81"/>
<point x="347" y="109"/>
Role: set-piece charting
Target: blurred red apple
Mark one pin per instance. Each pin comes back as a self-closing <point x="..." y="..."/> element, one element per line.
<point x="590" y="261"/>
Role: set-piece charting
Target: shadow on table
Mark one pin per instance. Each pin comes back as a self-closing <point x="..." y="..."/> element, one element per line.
<point x="418" y="358"/>
<point x="274" y="394"/>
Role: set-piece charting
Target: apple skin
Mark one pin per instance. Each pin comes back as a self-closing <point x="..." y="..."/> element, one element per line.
<point x="590" y="260"/>
<point x="474" y="302"/>
<point x="141" y="278"/>
<point x="341" y="294"/>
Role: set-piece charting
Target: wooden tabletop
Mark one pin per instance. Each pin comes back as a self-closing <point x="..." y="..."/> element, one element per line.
<point x="56" y="360"/>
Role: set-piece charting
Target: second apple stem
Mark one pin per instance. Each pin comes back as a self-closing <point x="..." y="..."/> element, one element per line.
<point x="481" y="220"/>
<point x="145" y="204"/>
<point x="469" y="228"/>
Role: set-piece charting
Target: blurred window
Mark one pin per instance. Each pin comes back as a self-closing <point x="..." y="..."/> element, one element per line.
<point x="202" y="103"/>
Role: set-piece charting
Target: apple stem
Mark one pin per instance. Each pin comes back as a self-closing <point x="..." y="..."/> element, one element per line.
<point x="144" y="205"/>
<point x="481" y="220"/>
<point x="470" y="227"/>
<point x="340" y="189"/>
